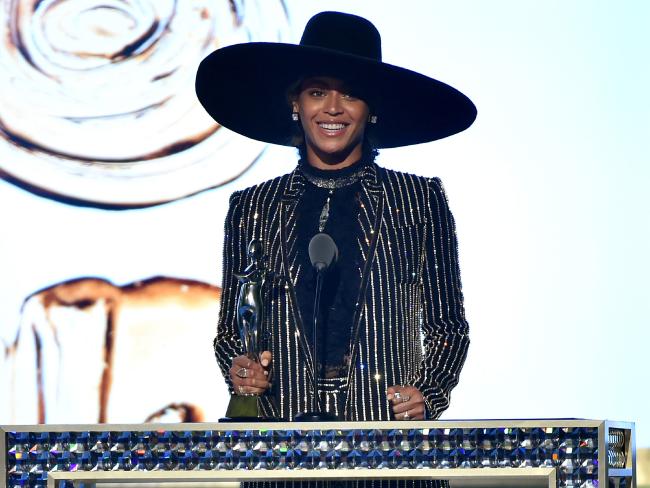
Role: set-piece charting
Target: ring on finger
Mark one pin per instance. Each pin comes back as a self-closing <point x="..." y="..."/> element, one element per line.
<point x="405" y="398"/>
<point x="241" y="390"/>
<point x="242" y="373"/>
<point x="406" y="415"/>
<point x="397" y="395"/>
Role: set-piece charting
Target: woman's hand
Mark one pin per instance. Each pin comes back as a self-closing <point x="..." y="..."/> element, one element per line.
<point x="408" y="402"/>
<point x="250" y="377"/>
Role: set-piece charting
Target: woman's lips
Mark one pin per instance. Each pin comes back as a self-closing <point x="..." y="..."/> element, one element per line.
<point x="332" y="128"/>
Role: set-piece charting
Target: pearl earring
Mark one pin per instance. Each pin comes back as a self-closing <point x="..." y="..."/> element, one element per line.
<point x="372" y="119"/>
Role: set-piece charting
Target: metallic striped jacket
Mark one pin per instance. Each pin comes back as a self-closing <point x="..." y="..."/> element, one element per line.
<point x="409" y="326"/>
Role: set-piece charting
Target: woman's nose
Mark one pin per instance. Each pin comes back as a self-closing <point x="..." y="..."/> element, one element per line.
<point x="333" y="105"/>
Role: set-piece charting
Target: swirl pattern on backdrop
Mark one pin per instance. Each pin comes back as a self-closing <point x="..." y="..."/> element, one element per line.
<point x="98" y="100"/>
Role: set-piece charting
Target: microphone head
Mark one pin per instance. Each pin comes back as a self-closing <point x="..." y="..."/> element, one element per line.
<point x="322" y="251"/>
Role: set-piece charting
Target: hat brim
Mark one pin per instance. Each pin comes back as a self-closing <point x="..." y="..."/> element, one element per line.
<point x="244" y="88"/>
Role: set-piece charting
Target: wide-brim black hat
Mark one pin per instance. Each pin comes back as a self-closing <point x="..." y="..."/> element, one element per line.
<point x="244" y="87"/>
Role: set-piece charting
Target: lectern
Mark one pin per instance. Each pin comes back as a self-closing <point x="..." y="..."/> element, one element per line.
<point x="552" y="453"/>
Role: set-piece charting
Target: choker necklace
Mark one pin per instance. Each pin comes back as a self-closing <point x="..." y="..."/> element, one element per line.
<point x="335" y="181"/>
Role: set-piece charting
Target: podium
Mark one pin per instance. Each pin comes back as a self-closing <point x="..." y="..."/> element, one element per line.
<point x="553" y="453"/>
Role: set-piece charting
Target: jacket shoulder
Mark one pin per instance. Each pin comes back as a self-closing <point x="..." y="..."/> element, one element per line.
<point x="409" y="191"/>
<point x="403" y="181"/>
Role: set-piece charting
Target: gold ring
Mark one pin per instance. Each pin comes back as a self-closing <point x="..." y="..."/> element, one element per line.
<point x="405" y="398"/>
<point x="242" y="373"/>
<point x="241" y="390"/>
<point x="406" y="415"/>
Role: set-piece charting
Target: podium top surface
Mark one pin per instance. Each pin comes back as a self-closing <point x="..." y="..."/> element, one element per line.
<point x="413" y="424"/>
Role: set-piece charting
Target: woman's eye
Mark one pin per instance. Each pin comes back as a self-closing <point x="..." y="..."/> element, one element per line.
<point x="316" y="93"/>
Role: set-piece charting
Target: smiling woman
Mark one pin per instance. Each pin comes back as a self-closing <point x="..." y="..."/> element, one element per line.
<point x="396" y="283"/>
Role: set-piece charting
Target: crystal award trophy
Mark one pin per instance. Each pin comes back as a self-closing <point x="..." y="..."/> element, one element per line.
<point x="250" y="320"/>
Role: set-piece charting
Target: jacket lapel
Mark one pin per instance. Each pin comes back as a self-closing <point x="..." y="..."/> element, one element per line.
<point x="290" y="265"/>
<point x="371" y="206"/>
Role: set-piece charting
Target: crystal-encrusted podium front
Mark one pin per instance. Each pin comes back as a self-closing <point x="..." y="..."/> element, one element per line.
<point x="583" y="453"/>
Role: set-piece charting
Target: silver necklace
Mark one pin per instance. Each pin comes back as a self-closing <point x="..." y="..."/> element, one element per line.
<point x="334" y="183"/>
<point x="325" y="213"/>
<point x="331" y="184"/>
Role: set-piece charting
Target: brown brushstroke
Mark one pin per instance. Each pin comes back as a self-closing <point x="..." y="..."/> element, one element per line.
<point x="39" y="376"/>
<point x="16" y="35"/>
<point x="132" y="48"/>
<point x="106" y="381"/>
<point x="78" y="202"/>
<point x="156" y="31"/>
<point x="156" y="287"/>
<point x="170" y="18"/>
<point x="84" y="292"/>
<point x="237" y="16"/>
<point x="75" y="292"/>
<point x="26" y="144"/>
<point x="37" y="4"/>
<point x="162" y="76"/>
<point x="80" y="293"/>
<point x="187" y="412"/>
<point x="118" y="115"/>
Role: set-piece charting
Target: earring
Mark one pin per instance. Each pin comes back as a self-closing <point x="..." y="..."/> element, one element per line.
<point x="372" y="119"/>
<point x="294" y="116"/>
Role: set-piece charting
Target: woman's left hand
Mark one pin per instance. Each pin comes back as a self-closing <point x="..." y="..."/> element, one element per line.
<point x="408" y="402"/>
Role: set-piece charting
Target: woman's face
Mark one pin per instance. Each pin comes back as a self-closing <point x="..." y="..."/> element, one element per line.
<point x="333" y="121"/>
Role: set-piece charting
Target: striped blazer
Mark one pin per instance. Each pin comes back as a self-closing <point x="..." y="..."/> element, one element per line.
<point x="409" y="326"/>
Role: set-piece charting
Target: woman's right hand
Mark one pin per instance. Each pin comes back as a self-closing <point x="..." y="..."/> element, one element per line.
<point x="250" y="377"/>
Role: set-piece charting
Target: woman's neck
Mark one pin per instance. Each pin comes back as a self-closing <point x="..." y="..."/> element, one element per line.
<point x="327" y="162"/>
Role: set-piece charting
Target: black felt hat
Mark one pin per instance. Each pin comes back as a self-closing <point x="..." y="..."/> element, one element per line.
<point x="244" y="86"/>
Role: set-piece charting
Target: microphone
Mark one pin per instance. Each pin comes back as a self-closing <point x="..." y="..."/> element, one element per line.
<point x="322" y="253"/>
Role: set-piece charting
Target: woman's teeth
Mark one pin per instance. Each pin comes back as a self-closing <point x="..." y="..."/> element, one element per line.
<point x="331" y="126"/>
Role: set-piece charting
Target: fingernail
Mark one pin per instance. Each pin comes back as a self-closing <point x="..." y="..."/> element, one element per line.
<point x="266" y="373"/>
<point x="265" y="362"/>
<point x="389" y="396"/>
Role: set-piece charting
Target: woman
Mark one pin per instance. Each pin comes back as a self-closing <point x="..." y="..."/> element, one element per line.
<point x="394" y="336"/>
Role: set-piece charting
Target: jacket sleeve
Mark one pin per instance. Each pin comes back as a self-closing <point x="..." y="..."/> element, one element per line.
<point x="445" y="330"/>
<point x="227" y="344"/>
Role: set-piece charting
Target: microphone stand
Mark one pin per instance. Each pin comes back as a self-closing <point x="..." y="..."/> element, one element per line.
<point x="317" y="414"/>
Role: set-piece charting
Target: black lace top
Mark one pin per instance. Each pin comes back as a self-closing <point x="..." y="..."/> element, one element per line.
<point x="342" y="281"/>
